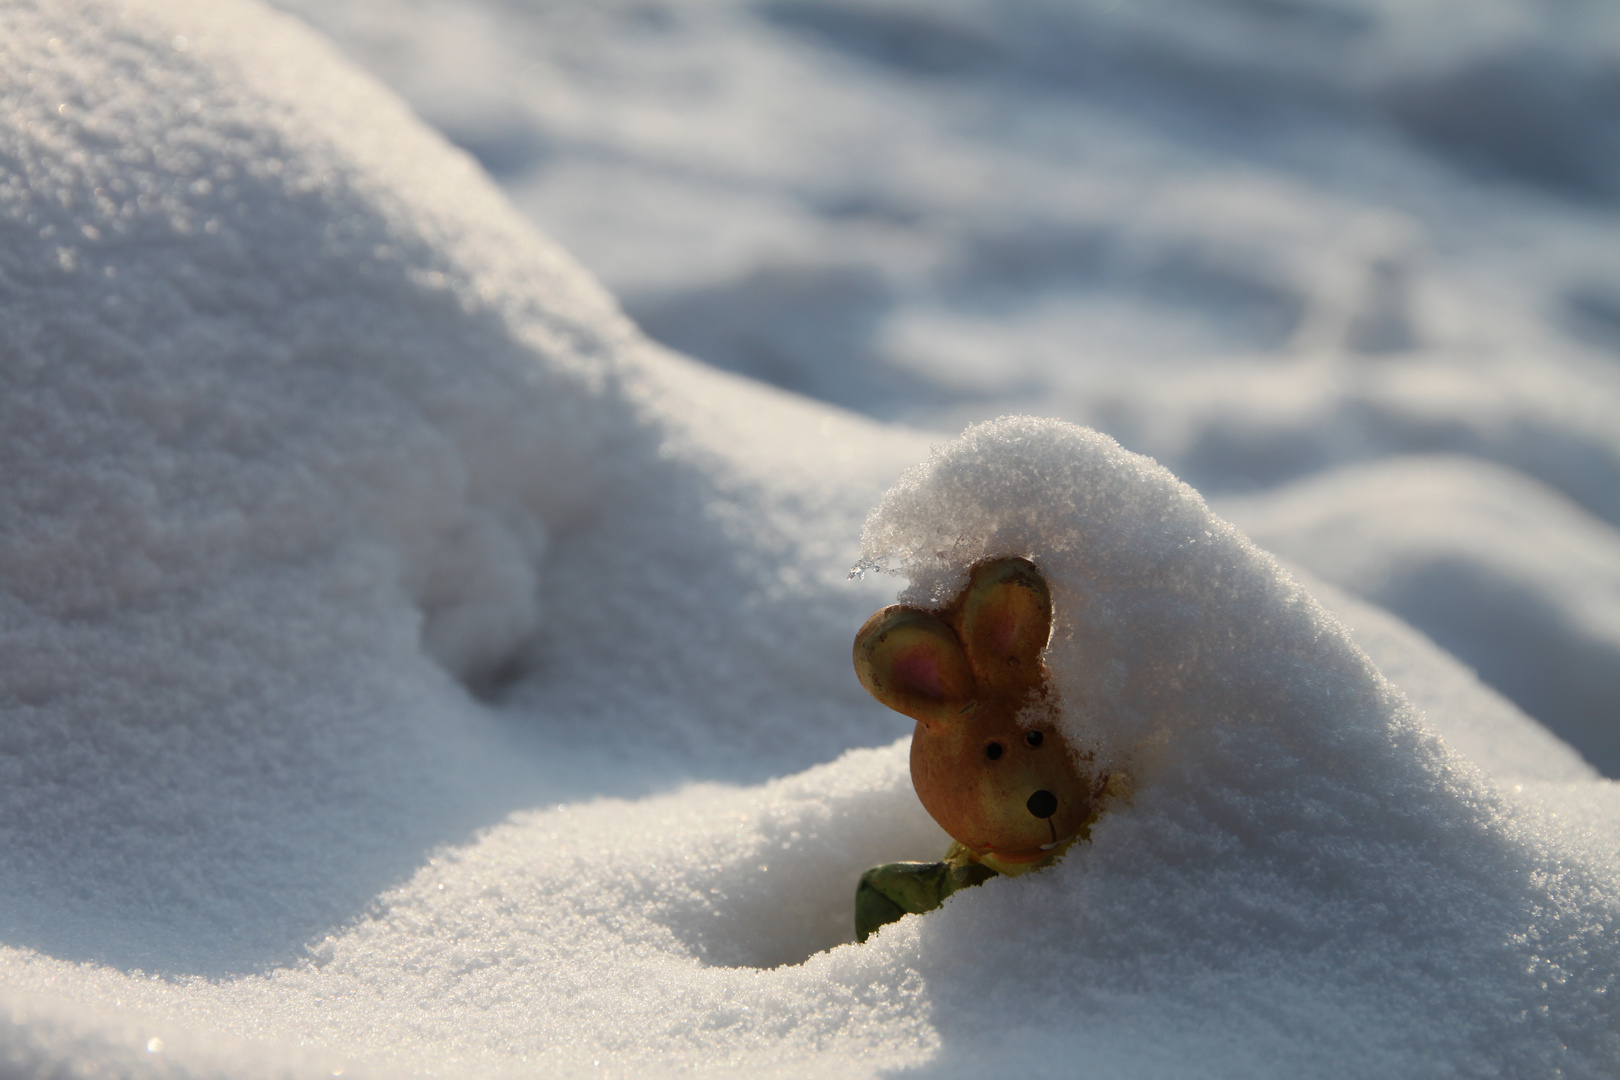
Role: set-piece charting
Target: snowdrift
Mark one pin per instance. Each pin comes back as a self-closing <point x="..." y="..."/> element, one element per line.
<point x="412" y="669"/>
<point x="1256" y="241"/>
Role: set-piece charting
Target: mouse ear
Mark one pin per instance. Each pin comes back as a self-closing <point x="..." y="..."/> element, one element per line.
<point x="1006" y="621"/>
<point x="912" y="662"/>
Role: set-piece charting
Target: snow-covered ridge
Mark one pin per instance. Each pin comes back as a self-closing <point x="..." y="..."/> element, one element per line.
<point x="409" y="668"/>
<point x="1256" y="240"/>
<point x="289" y="440"/>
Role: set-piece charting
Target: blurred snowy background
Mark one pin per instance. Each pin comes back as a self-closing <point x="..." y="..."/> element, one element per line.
<point x="1350" y="267"/>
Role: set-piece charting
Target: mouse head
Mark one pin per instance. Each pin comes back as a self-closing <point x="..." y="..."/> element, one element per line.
<point x="987" y="758"/>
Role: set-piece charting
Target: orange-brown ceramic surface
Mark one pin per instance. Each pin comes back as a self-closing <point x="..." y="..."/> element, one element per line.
<point x="987" y="759"/>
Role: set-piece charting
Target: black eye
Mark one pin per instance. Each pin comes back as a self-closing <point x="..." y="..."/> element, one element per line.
<point x="993" y="751"/>
<point x="1034" y="739"/>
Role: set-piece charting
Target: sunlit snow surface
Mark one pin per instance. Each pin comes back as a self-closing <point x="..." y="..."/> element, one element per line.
<point x="1255" y="239"/>
<point x="409" y="668"/>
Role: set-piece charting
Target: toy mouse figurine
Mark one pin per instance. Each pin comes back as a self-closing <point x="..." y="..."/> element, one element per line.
<point x="987" y="758"/>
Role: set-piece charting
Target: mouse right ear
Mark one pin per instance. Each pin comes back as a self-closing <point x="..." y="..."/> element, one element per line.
<point x="912" y="662"/>
<point x="1006" y="621"/>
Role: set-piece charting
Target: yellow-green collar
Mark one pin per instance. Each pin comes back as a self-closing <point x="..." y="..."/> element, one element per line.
<point x="962" y="855"/>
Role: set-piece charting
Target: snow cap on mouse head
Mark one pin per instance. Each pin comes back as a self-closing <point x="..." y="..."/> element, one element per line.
<point x="1148" y="591"/>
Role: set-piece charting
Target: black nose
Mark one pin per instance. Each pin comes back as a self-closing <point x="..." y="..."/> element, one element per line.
<point x="1043" y="804"/>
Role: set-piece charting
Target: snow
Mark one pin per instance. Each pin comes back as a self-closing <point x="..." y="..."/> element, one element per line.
<point x="1254" y="240"/>
<point x="1473" y="719"/>
<point x="413" y="669"/>
<point x="1509" y="576"/>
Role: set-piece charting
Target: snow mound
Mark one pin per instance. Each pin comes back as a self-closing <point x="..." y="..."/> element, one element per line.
<point x="314" y="453"/>
<point x="1296" y="831"/>
<point x="411" y="669"/>
<point x="1254" y="240"/>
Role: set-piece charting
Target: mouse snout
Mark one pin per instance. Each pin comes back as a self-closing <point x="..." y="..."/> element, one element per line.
<point x="1043" y="804"/>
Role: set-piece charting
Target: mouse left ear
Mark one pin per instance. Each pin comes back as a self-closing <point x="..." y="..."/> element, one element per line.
<point x="912" y="662"/>
<point x="1006" y="620"/>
